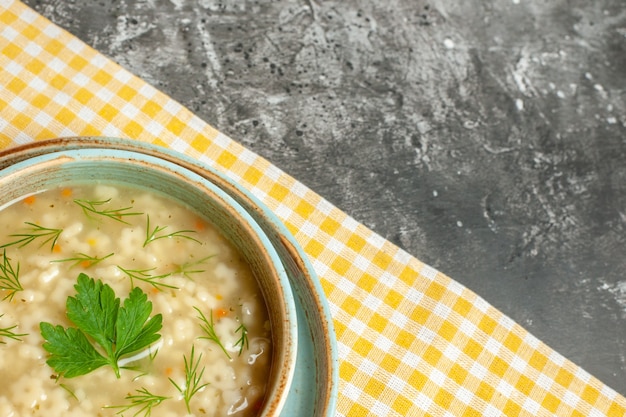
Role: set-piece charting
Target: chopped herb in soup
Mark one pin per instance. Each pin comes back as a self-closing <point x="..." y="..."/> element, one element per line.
<point x="120" y="301"/>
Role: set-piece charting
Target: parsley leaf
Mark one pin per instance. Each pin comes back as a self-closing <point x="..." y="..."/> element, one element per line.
<point x="116" y="330"/>
<point x="71" y="352"/>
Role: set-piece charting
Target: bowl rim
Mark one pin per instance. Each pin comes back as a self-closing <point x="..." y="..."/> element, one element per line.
<point x="64" y="158"/>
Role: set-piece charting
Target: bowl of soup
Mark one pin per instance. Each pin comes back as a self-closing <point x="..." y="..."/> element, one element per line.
<point x="130" y="285"/>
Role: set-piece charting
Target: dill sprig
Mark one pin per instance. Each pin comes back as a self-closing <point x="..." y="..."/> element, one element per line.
<point x="91" y="207"/>
<point x="9" y="276"/>
<point x="193" y="378"/>
<point x="208" y="327"/>
<point x="243" y="338"/>
<point x="84" y="260"/>
<point x="68" y="389"/>
<point x="152" y="234"/>
<point x="144" y="400"/>
<point x="145" y="276"/>
<point x="36" y="232"/>
<point x="140" y="368"/>
<point x="189" y="268"/>
<point x="8" y="332"/>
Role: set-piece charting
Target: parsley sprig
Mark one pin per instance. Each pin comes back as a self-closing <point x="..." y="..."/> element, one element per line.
<point x="91" y="207"/>
<point x="193" y="378"/>
<point x="9" y="276"/>
<point x="35" y="232"/>
<point x="8" y="332"/>
<point x="116" y="330"/>
<point x="153" y="234"/>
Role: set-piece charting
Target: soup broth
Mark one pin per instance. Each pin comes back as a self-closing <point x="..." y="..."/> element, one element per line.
<point x="214" y="351"/>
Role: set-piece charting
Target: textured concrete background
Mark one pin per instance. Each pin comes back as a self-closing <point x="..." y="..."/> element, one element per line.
<point x="485" y="137"/>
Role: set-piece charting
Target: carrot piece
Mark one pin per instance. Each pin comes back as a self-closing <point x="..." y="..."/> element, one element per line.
<point x="86" y="263"/>
<point x="200" y="225"/>
<point x="56" y="248"/>
<point x="258" y="405"/>
<point x="30" y="200"/>
<point x="66" y="192"/>
<point x="221" y="312"/>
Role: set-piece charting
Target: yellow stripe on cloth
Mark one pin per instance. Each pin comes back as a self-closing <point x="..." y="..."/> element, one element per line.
<point x="411" y="341"/>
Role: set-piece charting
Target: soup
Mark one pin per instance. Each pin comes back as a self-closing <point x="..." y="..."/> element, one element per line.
<point x="206" y="345"/>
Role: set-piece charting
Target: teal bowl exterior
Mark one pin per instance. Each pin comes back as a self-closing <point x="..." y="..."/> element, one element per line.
<point x="23" y="176"/>
<point x="314" y="388"/>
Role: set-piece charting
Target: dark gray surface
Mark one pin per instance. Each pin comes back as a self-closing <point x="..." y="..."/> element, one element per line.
<point x="487" y="138"/>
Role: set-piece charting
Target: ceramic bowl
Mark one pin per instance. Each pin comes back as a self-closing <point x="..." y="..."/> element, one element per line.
<point x="314" y="388"/>
<point x="22" y="174"/>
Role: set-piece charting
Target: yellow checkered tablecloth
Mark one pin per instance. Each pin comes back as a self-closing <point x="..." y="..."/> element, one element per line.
<point x="411" y="341"/>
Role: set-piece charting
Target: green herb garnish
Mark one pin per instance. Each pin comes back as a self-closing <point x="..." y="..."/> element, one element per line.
<point x="36" y="232"/>
<point x="188" y="268"/>
<point x="116" y="330"/>
<point x="84" y="260"/>
<point x="145" y="276"/>
<point x="8" y="332"/>
<point x="144" y="400"/>
<point x="9" y="276"/>
<point x="192" y="383"/>
<point x="151" y="356"/>
<point x="243" y="338"/>
<point x="208" y="326"/>
<point x="152" y="234"/>
<point x="69" y="390"/>
<point x="93" y="207"/>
